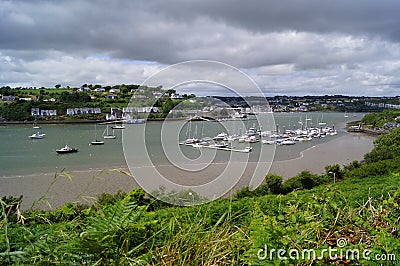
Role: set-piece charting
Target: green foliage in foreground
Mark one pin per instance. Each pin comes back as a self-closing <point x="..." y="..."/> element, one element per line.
<point x="224" y="232"/>
<point x="305" y="217"/>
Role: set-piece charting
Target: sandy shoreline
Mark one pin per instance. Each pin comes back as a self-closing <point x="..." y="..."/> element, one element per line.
<point x="337" y="151"/>
<point x="86" y="185"/>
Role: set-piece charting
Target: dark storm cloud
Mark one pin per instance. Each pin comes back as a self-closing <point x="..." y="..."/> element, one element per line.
<point x="283" y="44"/>
<point x="170" y="31"/>
<point x="354" y="17"/>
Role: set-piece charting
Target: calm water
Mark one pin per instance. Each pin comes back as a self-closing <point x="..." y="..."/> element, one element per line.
<point x="22" y="156"/>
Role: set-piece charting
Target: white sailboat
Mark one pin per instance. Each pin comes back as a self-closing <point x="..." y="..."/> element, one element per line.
<point x="106" y="135"/>
<point x="345" y="114"/>
<point x="37" y="135"/>
<point x="322" y="122"/>
<point x="96" y="142"/>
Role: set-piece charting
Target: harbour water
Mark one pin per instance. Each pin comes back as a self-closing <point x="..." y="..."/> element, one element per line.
<point x="27" y="166"/>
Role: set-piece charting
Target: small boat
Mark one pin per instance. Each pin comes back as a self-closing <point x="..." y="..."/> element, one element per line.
<point x="322" y="122"/>
<point x="252" y="139"/>
<point x="285" y="142"/>
<point x="221" y="136"/>
<point x="37" y="135"/>
<point x="106" y="135"/>
<point x="220" y="145"/>
<point x="345" y="115"/>
<point x="246" y="149"/>
<point x="35" y="125"/>
<point x="67" y="149"/>
<point x="270" y="142"/>
<point x="190" y="141"/>
<point x="136" y="121"/>
<point x="118" y="126"/>
<point x="96" y="142"/>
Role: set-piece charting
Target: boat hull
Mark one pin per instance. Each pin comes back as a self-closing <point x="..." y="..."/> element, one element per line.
<point x="66" y="151"/>
<point x="97" y="143"/>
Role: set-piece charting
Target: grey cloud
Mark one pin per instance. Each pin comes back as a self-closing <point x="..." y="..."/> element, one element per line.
<point x="278" y="42"/>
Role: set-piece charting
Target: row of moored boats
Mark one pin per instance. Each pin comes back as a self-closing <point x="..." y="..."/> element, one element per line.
<point x="253" y="135"/>
<point x="67" y="149"/>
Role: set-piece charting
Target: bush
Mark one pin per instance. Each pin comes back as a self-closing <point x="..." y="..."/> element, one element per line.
<point x="304" y="180"/>
<point x="386" y="147"/>
<point x="272" y="184"/>
<point x="375" y="169"/>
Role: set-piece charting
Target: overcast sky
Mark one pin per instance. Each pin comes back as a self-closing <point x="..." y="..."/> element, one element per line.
<point x="293" y="47"/>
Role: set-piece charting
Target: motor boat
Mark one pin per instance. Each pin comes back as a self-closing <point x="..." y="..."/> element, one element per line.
<point x="67" y="149"/>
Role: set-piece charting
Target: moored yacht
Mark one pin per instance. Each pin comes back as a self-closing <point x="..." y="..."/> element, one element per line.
<point x="106" y="134"/>
<point x="67" y="149"/>
<point x="37" y="135"/>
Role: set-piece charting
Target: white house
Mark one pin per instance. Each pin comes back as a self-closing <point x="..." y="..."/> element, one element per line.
<point x="99" y="90"/>
<point x="84" y="89"/>
<point x="139" y="96"/>
<point x="8" y="98"/>
<point x="79" y="111"/>
<point x="115" y="90"/>
<point x="35" y="111"/>
<point x="70" y="111"/>
<point x="48" y="112"/>
<point x="52" y="112"/>
<point x="176" y="96"/>
<point x="112" y="96"/>
<point x="158" y="94"/>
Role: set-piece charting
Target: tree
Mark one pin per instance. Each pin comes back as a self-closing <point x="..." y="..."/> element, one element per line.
<point x="57" y="86"/>
<point x="170" y="92"/>
<point x="274" y="183"/>
<point x="334" y="169"/>
<point x="386" y="147"/>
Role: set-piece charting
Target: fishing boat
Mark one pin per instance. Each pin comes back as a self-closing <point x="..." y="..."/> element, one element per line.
<point x="106" y="135"/>
<point x="67" y="149"/>
<point x="96" y="142"/>
<point x="37" y="135"/>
